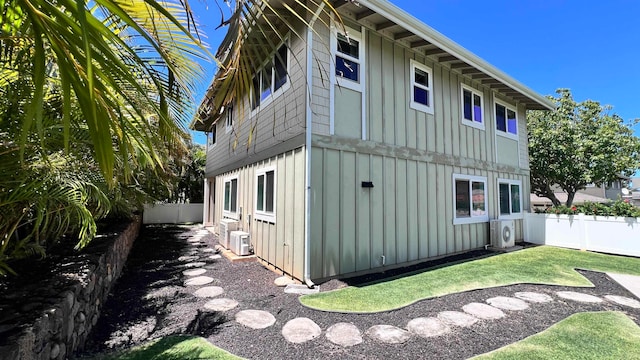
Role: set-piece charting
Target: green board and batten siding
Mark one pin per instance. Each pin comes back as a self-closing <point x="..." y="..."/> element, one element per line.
<point x="410" y="156"/>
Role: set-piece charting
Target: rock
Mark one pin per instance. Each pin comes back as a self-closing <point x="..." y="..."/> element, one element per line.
<point x="283" y="281"/>
<point x="209" y="291"/>
<point x="194" y="272"/>
<point x="427" y="327"/>
<point x="579" y="297"/>
<point x="483" y="311"/>
<point x="80" y="317"/>
<point x="533" y="297"/>
<point x="195" y="264"/>
<point x="388" y="334"/>
<point x="508" y="303"/>
<point x="300" y="330"/>
<point x="622" y="300"/>
<point x="255" y="319"/>
<point x="55" y="351"/>
<point x="344" y="334"/>
<point x="457" y="318"/>
<point x="198" y="281"/>
<point x="220" y="305"/>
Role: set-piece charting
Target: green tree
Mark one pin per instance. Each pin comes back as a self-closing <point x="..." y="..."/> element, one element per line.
<point x="578" y="144"/>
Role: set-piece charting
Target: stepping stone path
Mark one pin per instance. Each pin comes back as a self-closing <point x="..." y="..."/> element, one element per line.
<point x="344" y="334"/>
<point x="508" y="303"/>
<point x="208" y="250"/>
<point x="188" y="258"/>
<point x="195" y="264"/>
<point x="622" y="300"/>
<point x="579" y="297"/>
<point x="209" y="292"/>
<point x="300" y="330"/>
<point x="198" y="280"/>
<point x="457" y="318"/>
<point x="533" y="297"/>
<point x="215" y="257"/>
<point x="388" y="334"/>
<point x="255" y="319"/>
<point x="428" y="327"/>
<point x="222" y="304"/>
<point x="194" y="272"/>
<point x="483" y="311"/>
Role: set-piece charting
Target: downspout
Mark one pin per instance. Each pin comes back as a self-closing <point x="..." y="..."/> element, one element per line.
<point x="307" y="172"/>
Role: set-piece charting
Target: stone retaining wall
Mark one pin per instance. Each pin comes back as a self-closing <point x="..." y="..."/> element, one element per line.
<point x="69" y="303"/>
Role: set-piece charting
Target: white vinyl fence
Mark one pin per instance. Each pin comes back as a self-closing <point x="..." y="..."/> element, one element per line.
<point x="614" y="235"/>
<point x="172" y="213"/>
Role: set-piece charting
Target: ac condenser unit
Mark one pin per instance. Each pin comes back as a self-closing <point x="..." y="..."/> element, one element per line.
<point x="240" y="243"/>
<point x="503" y="233"/>
<point x="226" y="226"/>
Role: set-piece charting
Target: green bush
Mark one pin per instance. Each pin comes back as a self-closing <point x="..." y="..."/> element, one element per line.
<point x="620" y="208"/>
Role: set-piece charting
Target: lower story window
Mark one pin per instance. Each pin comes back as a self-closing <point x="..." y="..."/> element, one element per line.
<point x="510" y="195"/>
<point x="470" y="199"/>
<point x="265" y="195"/>
<point x="231" y="195"/>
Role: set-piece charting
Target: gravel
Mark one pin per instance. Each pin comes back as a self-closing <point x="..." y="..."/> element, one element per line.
<point x="131" y="316"/>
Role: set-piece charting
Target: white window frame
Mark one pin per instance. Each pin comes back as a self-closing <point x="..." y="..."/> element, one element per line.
<point x="228" y="118"/>
<point x="228" y="213"/>
<point x="511" y="215"/>
<point x="413" y="65"/>
<point x="472" y="219"/>
<point x="264" y="215"/>
<point x="342" y="81"/>
<point x="506" y="133"/>
<point x="472" y="122"/>
<point x="274" y="93"/>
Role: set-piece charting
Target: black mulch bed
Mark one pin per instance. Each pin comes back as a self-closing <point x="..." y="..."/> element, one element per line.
<point x="149" y="301"/>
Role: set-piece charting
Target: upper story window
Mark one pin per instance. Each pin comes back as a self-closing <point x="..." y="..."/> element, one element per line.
<point x="510" y="197"/>
<point x="472" y="113"/>
<point x="271" y="79"/>
<point x="230" y="205"/>
<point x="266" y="194"/>
<point x="228" y="116"/>
<point x="470" y="199"/>
<point x="211" y="137"/>
<point x="349" y="59"/>
<point x="421" y="87"/>
<point x="506" y="120"/>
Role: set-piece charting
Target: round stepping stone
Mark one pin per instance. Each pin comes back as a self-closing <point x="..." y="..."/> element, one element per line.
<point x="215" y="257"/>
<point x="209" y="292"/>
<point x="255" y="319"/>
<point x="508" y="303"/>
<point x="483" y="311"/>
<point x="199" y="280"/>
<point x="222" y="304"/>
<point x="194" y="240"/>
<point x="457" y="318"/>
<point x="187" y="258"/>
<point x="208" y="250"/>
<point x="579" y="297"/>
<point x="533" y="297"/>
<point x="388" y="334"/>
<point x="283" y="281"/>
<point x="622" y="300"/>
<point x="195" y="264"/>
<point x="344" y="334"/>
<point x="194" y="272"/>
<point x="300" y="330"/>
<point x="428" y="327"/>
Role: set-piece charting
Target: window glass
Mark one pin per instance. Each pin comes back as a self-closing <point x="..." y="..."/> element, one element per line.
<point x="515" y="198"/>
<point x="478" y="199"/>
<point x="280" y="67"/>
<point x="512" y="123"/>
<point x="266" y="74"/>
<point x="347" y="69"/>
<point x="477" y="108"/>
<point x="227" y="196"/>
<point x="421" y="95"/>
<point x="462" y="199"/>
<point x="505" y="208"/>
<point x="255" y="99"/>
<point x="501" y="117"/>
<point x="349" y="46"/>
<point x="234" y="195"/>
<point x="269" y="203"/>
<point x="466" y="104"/>
<point x="421" y="77"/>
<point x="229" y="117"/>
<point x="260" y="195"/>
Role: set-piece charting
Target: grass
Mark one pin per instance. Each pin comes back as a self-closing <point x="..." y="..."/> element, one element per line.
<point x="175" y="348"/>
<point x="538" y="265"/>
<point x="595" y="335"/>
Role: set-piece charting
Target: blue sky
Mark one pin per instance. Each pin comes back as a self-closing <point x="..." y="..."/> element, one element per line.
<point x="591" y="47"/>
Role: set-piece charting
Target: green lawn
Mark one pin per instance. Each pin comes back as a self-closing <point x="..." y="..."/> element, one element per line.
<point x="537" y="265"/>
<point x="175" y="348"/>
<point x="596" y="335"/>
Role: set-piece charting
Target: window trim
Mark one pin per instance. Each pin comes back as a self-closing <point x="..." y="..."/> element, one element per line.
<point x="472" y="219"/>
<point x="511" y="215"/>
<point x="263" y="215"/>
<point x="507" y="107"/>
<point x="472" y="122"/>
<point x="413" y="65"/>
<point x="274" y="93"/>
<point x="342" y="81"/>
<point x="229" y="213"/>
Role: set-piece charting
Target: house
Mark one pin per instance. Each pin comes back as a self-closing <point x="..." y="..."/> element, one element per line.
<point x="383" y="147"/>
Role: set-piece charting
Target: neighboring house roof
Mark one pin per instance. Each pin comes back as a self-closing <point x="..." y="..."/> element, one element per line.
<point x="397" y="24"/>
<point x="579" y="198"/>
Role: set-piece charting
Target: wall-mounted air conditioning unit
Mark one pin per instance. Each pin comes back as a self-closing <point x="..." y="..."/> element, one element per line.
<point x="240" y="243"/>
<point x="503" y="233"/>
<point x="226" y="226"/>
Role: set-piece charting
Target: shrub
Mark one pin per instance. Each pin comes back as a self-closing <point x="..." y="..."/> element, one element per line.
<point x="615" y="208"/>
